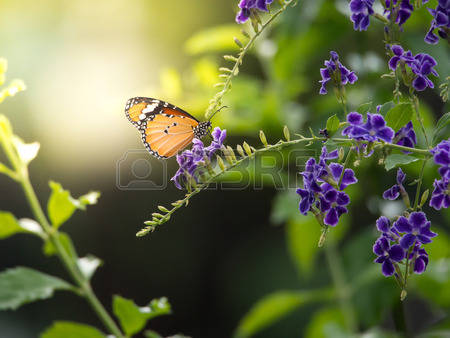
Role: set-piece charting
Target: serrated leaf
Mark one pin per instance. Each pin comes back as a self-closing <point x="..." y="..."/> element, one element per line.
<point x="441" y="124"/>
<point x="219" y="38"/>
<point x="386" y="107"/>
<point x="364" y="108"/>
<point x="332" y="124"/>
<point x="23" y="285"/>
<point x="398" y="116"/>
<point x="88" y="265"/>
<point x="394" y="160"/>
<point x="133" y="318"/>
<point x="9" y="225"/>
<point x="71" y="330"/>
<point x="269" y="310"/>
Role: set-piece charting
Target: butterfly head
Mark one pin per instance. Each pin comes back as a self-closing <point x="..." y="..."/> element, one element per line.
<point x="203" y="128"/>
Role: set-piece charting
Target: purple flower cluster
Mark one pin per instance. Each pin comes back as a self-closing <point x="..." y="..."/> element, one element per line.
<point x="374" y="129"/>
<point x="189" y="160"/>
<point x="441" y="22"/>
<point x="404" y="239"/>
<point x="361" y="11"/>
<point x="422" y="65"/>
<point x="393" y="192"/>
<point x="440" y="197"/>
<point x="406" y="136"/>
<point x="401" y="9"/>
<point x="247" y="6"/>
<point x="334" y="70"/>
<point x="322" y="194"/>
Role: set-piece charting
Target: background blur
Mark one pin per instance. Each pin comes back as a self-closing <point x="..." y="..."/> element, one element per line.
<point x="81" y="61"/>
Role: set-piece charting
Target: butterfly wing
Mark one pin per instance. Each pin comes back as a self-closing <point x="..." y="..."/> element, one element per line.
<point x="165" y="128"/>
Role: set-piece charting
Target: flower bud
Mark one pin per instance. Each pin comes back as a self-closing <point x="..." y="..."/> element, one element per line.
<point x="262" y="136"/>
<point x="287" y="134"/>
<point x="424" y="198"/>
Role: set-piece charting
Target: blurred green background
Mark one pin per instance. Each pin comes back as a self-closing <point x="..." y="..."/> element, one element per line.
<point x="81" y="61"/>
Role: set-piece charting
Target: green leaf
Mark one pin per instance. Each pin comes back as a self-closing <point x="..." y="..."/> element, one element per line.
<point x="364" y="108"/>
<point x="317" y="326"/>
<point x="219" y="38"/>
<point x="71" y="330"/>
<point x="49" y="249"/>
<point x="400" y="115"/>
<point x="386" y="107"/>
<point x="88" y="265"/>
<point x="395" y="160"/>
<point x="60" y="205"/>
<point x="332" y="124"/>
<point x="23" y="285"/>
<point x="441" y="124"/>
<point x="271" y="309"/>
<point x="152" y="334"/>
<point x="9" y="225"/>
<point x="5" y="127"/>
<point x="133" y="318"/>
<point x="302" y="237"/>
<point x="26" y="151"/>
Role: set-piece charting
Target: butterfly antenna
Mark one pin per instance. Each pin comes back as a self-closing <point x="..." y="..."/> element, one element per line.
<point x="218" y="110"/>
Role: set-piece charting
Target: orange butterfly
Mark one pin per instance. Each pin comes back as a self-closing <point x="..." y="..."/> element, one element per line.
<point x="165" y="129"/>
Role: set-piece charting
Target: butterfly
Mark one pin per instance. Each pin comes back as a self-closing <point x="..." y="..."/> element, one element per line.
<point x="165" y="128"/>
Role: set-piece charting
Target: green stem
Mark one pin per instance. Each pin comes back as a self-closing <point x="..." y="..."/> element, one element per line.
<point x="347" y="160"/>
<point x="68" y="263"/>
<point x="156" y="221"/>
<point x="415" y="102"/>
<point x="342" y="287"/>
<point x="419" y="185"/>
<point x="212" y="109"/>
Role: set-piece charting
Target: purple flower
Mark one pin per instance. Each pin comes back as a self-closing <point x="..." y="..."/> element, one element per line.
<point x="387" y="255"/>
<point x="440" y="198"/>
<point x="319" y="187"/>
<point x="189" y="160"/>
<point x="416" y="229"/>
<point x="374" y="129"/>
<point x="247" y="6"/>
<point x="441" y="22"/>
<point x="332" y="204"/>
<point x="406" y="136"/>
<point x="361" y="11"/>
<point x="422" y="65"/>
<point x="334" y="70"/>
<point x="400" y="55"/>
<point x="441" y="155"/>
<point x="421" y="259"/>
<point x="393" y="192"/>
<point x="401" y="9"/>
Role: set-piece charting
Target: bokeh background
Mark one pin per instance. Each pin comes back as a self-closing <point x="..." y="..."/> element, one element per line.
<point x="81" y="61"/>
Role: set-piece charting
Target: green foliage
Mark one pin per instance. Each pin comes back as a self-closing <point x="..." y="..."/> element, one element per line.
<point x="400" y="115"/>
<point x="61" y="205"/>
<point x="364" y="108"/>
<point x="395" y="160"/>
<point x="332" y="124"/>
<point x="23" y="285"/>
<point x="302" y="237"/>
<point x="269" y="310"/>
<point x="386" y="107"/>
<point x="66" y="329"/>
<point x="441" y="125"/>
<point x="323" y="320"/>
<point x="9" y="225"/>
<point x="88" y="265"/>
<point x="215" y="39"/>
<point x="133" y="318"/>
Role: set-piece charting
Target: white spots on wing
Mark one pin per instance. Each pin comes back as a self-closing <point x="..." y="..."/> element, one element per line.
<point x="142" y="116"/>
<point x="150" y="107"/>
